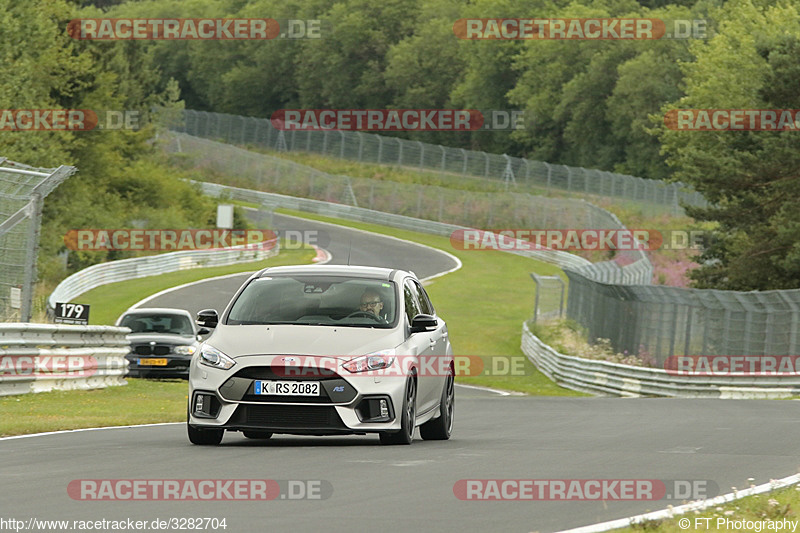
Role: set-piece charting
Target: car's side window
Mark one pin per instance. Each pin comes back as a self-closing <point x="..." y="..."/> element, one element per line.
<point x="425" y="304"/>
<point x="412" y="305"/>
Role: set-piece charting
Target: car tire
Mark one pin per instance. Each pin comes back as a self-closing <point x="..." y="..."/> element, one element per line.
<point x="409" y="417"/>
<point x="441" y="427"/>
<point x="203" y="436"/>
<point x="256" y="434"/>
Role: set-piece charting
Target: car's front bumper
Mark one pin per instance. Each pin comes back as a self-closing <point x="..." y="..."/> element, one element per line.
<point x="348" y="403"/>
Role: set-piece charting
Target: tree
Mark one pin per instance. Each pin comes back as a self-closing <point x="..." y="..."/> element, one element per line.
<point x="591" y="100"/>
<point x="423" y="68"/>
<point x="346" y="69"/>
<point x="117" y="181"/>
<point x="750" y="177"/>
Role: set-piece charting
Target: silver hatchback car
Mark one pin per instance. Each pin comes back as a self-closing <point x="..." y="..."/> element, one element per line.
<point x="324" y="350"/>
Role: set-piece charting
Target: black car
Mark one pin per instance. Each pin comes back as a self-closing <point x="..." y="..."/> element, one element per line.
<point x="162" y="342"/>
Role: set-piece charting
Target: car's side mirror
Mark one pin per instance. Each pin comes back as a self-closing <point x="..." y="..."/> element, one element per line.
<point x="207" y="318"/>
<point x="423" y="323"/>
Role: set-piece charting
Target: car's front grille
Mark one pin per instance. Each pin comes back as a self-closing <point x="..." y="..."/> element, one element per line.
<point x="288" y="417"/>
<point x="148" y="349"/>
<point x="322" y="398"/>
<point x="286" y="372"/>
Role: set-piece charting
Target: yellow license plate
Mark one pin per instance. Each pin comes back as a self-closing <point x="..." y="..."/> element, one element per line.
<point x="152" y="362"/>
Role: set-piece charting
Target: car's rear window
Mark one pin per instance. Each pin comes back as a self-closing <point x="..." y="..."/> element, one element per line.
<point x="158" y="323"/>
<point x="316" y="300"/>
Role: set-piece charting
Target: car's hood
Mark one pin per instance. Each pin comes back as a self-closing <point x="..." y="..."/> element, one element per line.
<point x="177" y="340"/>
<point x="237" y="341"/>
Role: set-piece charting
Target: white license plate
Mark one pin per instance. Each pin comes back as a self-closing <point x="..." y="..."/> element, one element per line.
<point x="287" y="388"/>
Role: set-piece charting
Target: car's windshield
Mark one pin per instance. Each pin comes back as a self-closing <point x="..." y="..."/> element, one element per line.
<point x="158" y="323"/>
<point x="316" y="300"/>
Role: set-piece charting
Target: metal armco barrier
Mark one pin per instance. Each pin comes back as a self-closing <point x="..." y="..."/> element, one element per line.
<point x="45" y="357"/>
<point x="139" y="267"/>
<point x="613" y="379"/>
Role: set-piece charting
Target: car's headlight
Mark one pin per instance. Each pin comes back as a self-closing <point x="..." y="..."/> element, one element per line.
<point x="210" y="356"/>
<point x="185" y="350"/>
<point x="373" y="361"/>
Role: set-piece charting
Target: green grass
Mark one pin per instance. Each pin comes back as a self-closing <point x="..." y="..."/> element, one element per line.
<point x="385" y="172"/>
<point x="774" y="506"/>
<point x="110" y="301"/>
<point x="139" y="402"/>
<point x="484" y="304"/>
<point x="412" y="175"/>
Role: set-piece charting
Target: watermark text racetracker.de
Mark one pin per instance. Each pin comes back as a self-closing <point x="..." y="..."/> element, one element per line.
<point x="733" y="119"/>
<point x="55" y="366"/>
<point x="457" y="120"/>
<point x="579" y="29"/>
<point x="733" y="365"/>
<point x="585" y="239"/>
<point x="386" y="365"/>
<point x="198" y="489"/>
<point x="213" y="29"/>
<point x="69" y="119"/>
<point x="122" y="239"/>
<point x="584" y="489"/>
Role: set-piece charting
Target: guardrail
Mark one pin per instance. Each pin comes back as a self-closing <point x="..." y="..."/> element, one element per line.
<point x="613" y="379"/>
<point x="360" y="214"/>
<point x="45" y="357"/>
<point x="139" y="267"/>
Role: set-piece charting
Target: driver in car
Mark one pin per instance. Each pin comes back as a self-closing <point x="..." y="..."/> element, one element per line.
<point x="371" y="303"/>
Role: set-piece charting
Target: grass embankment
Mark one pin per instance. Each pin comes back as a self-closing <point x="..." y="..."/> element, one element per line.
<point x="415" y="176"/>
<point x="139" y="402"/>
<point x="758" y="510"/>
<point x="569" y="338"/>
